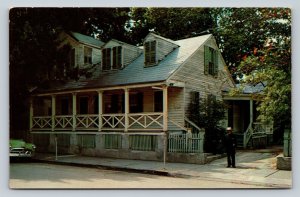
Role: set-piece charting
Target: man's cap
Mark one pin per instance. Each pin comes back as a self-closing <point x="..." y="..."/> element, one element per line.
<point x="228" y="129"/>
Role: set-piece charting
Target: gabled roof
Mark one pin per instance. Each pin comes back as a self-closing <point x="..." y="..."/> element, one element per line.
<point x="160" y="37"/>
<point x="86" y="39"/>
<point x="137" y="73"/>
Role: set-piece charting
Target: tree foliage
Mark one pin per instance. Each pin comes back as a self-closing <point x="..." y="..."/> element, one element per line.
<point x="208" y="113"/>
<point x="173" y="23"/>
<point x="240" y="31"/>
<point x="271" y="64"/>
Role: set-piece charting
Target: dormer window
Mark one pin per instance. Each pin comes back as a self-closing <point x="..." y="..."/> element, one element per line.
<point x="88" y="55"/>
<point x="150" y="53"/>
<point x="112" y="58"/>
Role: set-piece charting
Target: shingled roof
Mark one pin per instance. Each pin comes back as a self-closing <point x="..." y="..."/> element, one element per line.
<point x="137" y="73"/>
<point x="86" y="39"/>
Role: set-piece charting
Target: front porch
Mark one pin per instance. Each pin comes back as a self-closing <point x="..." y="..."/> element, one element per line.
<point x="242" y="117"/>
<point x="155" y="108"/>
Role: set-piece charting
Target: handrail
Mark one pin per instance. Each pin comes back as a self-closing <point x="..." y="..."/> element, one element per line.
<point x="247" y="135"/>
<point x="193" y="124"/>
<point x="178" y="125"/>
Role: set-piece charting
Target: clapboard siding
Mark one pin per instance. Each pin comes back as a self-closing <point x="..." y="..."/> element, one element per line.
<point x="175" y="107"/>
<point x="198" y="81"/>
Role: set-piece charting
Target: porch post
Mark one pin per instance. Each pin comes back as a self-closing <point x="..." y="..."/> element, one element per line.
<point x="74" y="110"/>
<point x="251" y="111"/>
<point x="165" y="108"/>
<point x="30" y="113"/>
<point x="100" y="109"/>
<point x="126" y="109"/>
<point x="53" y="111"/>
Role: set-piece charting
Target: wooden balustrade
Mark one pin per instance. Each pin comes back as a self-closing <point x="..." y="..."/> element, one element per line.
<point x="110" y="122"/>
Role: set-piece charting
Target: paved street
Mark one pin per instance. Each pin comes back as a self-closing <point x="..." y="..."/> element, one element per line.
<point x="41" y="175"/>
<point x="254" y="170"/>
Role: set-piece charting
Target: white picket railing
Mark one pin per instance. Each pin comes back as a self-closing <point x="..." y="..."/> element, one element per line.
<point x="186" y="142"/>
<point x="150" y="121"/>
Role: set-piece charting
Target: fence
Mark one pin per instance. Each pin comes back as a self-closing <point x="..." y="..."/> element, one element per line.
<point x="186" y="143"/>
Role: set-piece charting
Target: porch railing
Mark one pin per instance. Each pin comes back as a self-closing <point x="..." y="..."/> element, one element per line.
<point x="150" y="121"/>
<point x="110" y="122"/>
<point x="63" y="122"/>
<point x="113" y="122"/>
<point x="41" y="122"/>
<point x="89" y="121"/>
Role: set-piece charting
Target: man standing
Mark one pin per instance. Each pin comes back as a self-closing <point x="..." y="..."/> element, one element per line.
<point x="230" y="147"/>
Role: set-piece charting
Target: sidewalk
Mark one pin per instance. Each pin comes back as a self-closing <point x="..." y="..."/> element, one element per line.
<point x="255" y="168"/>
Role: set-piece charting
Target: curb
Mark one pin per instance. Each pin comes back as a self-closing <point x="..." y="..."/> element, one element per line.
<point x="144" y="171"/>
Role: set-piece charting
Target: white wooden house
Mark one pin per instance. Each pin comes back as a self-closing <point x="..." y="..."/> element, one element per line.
<point x="138" y="98"/>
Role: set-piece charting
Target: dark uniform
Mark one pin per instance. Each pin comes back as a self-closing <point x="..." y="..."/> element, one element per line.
<point x="230" y="141"/>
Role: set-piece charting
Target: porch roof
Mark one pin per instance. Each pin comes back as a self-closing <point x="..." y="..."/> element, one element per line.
<point x="136" y="72"/>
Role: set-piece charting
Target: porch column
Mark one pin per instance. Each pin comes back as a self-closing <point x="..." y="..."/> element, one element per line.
<point x="74" y="110"/>
<point x="251" y="111"/>
<point x="126" y="109"/>
<point x="30" y="113"/>
<point x="165" y="108"/>
<point x="100" y="109"/>
<point x="53" y="111"/>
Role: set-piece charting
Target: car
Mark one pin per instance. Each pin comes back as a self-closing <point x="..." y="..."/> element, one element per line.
<point x="19" y="148"/>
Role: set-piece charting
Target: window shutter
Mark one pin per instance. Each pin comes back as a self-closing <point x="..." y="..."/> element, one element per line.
<point x="147" y="54"/>
<point x="106" y="59"/>
<point x="150" y="53"/>
<point x="206" y="59"/>
<point x="216" y="63"/>
<point x="115" y="57"/>
<point x="153" y="52"/>
<point x="119" y="57"/>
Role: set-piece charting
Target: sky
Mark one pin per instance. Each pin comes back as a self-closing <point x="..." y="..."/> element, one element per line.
<point x="4" y="72"/>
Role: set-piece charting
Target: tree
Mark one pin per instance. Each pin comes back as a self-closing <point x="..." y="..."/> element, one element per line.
<point x="172" y="23"/>
<point x="34" y="59"/>
<point x="240" y="31"/>
<point x="271" y="64"/>
<point x="208" y="113"/>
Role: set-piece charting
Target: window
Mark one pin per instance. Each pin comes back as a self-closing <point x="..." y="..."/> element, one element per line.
<point x="150" y="53"/>
<point x="158" y="101"/>
<point x="64" y="106"/>
<point x="117" y="57"/>
<point x="112" y="58"/>
<point x="88" y="55"/>
<point x="72" y="58"/>
<point x="106" y="59"/>
<point x="210" y="61"/>
<point x="195" y="96"/>
<point x="136" y="102"/>
<point x="83" y="105"/>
